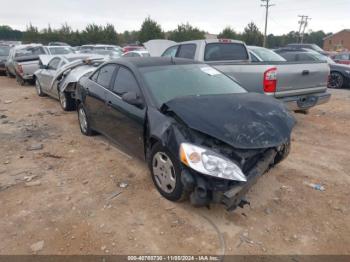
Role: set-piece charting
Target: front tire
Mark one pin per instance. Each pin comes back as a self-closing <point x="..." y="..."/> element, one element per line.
<point x="66" y="101"/>
<point x="166" y="173"/>
<point x="336" y="80"/>
<point x="84" y="121"/>
<point x="38" y="89"/>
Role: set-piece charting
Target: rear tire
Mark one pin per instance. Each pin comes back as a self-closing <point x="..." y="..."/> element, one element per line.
<point x="20" y="80"/>
<point x="8" y="74"/>
<point x="66" y="101"/>
<point x="166" y="173"/>
<point x="336" y="80"/>
<point x="84" y="121"/>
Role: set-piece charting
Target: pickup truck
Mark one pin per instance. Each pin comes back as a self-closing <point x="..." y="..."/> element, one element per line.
<point x="23" y="61"/>
<point x="300" y="85"/>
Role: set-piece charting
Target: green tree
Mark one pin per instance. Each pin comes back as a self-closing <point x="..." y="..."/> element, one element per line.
<point x="31" y="35"/>
<point x="150" y="29"/>
<point x="186" y="32"/>
<point x="228" y="33"/>
<point x="252" y="35"/>
<point x="7" y="33"/>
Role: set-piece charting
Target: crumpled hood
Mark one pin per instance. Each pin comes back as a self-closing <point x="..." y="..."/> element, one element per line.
<point x="244" y="121"/>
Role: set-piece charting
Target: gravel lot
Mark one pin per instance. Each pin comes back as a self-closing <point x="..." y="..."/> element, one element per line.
<point x="64" y="198"/>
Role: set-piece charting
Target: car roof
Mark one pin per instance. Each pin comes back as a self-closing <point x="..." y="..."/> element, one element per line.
<point x="137" y="51"/>
<point x="154" y="61"/>
<point x="60" y="46"/>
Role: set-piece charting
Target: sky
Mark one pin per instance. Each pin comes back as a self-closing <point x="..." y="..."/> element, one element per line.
<point x="209" y="15"/>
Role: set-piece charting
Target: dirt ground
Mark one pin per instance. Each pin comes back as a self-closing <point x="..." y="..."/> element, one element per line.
<point x="63" y="198"/>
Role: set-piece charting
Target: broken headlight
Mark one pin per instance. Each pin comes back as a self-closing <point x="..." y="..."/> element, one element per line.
<point x="207" y="162"/>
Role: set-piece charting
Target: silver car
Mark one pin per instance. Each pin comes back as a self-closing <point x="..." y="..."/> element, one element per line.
<point x="58" y="75"/>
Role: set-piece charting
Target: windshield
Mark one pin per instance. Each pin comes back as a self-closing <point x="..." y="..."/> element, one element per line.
<point x="168" y="82"/>
<point x="4" y="50"/>
<point x="317" y="48"/>
<point x="61" y="50"/>
<point x="30" y="51"/>
<point x="111" y="53"/>
<point x="267" y="55"/>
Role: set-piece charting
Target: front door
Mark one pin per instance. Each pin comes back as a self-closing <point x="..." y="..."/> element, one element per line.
<point x="125" y="122"/>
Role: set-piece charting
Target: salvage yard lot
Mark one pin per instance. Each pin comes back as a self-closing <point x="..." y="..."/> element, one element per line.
<point x="67" y="195"/>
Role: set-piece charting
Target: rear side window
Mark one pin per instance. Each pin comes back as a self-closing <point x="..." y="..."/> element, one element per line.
<point x="171" y="51"/>
<point x="187" y="51"/>
<point x="105" y="75"/>
<point x="305" y="57"/>
<point x="53" y="65"/>
<point x="291" y="57"/>
<point x="125" y="82"/>
<point x="225" y="52"/>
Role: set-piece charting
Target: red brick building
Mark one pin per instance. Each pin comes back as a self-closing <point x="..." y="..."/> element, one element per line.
<point x="337" y="42"/>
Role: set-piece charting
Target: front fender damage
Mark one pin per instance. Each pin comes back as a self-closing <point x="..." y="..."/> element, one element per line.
<point x="169" y="129"/>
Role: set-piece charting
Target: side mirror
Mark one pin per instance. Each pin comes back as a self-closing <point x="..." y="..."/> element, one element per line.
<point x="42" y="66"/>
<point x="133" y="99"/>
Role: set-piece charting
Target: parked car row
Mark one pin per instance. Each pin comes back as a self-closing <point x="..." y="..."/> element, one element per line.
<point x="300" y="85"/>
<point x="209" y="116"/>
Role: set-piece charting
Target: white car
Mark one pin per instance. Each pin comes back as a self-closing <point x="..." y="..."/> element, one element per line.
<point x="58" y="75"/>
<point x="137" y="53"/>
<point x="59" y="50"/>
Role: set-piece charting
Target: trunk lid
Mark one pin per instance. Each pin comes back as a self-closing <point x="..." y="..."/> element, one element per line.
<point x="301" y="78"/>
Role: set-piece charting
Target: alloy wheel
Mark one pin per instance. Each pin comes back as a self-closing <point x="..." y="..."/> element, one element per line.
<point x="82" y="120"/>
<point x="63" y="99"/>
<point x="336" y="80"/>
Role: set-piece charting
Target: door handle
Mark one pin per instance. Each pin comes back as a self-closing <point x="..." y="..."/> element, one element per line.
<point x="305" y="72"/>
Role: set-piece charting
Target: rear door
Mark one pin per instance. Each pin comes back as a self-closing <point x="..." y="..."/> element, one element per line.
<point x="96" y="88"/>
<point x="124" y="123"/>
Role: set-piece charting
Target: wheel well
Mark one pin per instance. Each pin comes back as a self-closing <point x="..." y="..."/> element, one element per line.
<point x="334" y="71"/>
<point x="152" y="141"/>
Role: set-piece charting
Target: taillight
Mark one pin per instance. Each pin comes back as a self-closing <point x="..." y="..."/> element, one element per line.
<point x="222" y="40"/>
<point x="270" y="80"/>
<point x="20" y="69"/>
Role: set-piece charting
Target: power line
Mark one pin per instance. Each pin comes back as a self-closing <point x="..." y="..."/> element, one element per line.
<point x="267" y="5"/>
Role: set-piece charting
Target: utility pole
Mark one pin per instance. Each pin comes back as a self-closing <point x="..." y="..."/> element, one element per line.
<point x="305" y="25"/>
<point x="267" y="5"/>
<point x="301" y="23"/>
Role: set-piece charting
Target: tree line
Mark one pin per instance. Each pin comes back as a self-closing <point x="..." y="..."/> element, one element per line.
<point x="150" y="29"/>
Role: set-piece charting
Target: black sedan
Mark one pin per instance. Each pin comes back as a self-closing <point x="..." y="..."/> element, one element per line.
<point x="202" y="135"/>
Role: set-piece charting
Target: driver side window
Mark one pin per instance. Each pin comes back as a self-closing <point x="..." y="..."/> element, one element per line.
<point x="125" y="82"/>
<point x="53" y="65"/>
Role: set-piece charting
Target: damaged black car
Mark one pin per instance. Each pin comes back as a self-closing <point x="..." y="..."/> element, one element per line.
<point x="202" y="135"/>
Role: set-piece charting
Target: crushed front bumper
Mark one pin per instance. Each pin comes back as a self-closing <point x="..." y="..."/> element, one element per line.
<point x="204" y="191"/>
<point x="233" y="197"/>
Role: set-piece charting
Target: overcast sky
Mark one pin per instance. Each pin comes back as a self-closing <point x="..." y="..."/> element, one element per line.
<point x="208" y="15"/>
